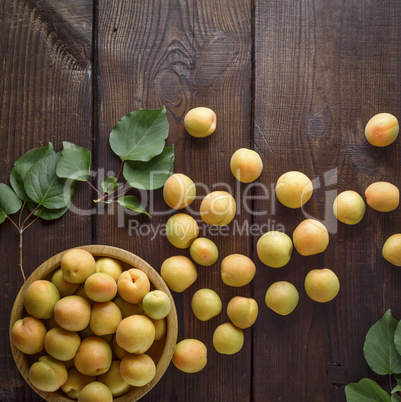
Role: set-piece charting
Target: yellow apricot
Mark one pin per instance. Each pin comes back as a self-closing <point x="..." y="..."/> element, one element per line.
<point x="382" y="129"/>
<point x="218" y="208"/>
<point x="282" y="297"/>
<point x="310" y="237"/>
<point x="181" y="230"/>
<point x="349" y="207"/>
<point x="322" y="285"/>
<point x="392" y="249"/>
<point x="200" y="122"/>
<point x="179" y="191"/>
<point x="294" y="189"/>
<point x="382" y="196"/>
<point x="246" y="165"/>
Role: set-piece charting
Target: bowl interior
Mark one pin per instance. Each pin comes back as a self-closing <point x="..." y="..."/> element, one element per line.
<point x="161" y="351"/>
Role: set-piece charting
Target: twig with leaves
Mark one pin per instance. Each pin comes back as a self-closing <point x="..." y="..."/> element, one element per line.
<point x="43" y="181"/>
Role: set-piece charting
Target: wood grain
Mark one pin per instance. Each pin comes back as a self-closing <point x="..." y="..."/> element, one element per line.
<point x="45" y="95"/>
<point x="181" y="54"/>
<point x="297" y="82"/>
<point x="319" y="77"/>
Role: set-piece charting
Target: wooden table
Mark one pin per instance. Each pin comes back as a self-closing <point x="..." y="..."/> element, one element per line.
<point x="294" y="80"/>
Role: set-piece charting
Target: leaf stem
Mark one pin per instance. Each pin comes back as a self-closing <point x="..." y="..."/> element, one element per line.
<point x="20" y="255"/>
<point x="20" y="213"/>
<point x="109" y="194"/>
<point x="30" y="214"/>
<point x="390" y="382"/>
<point x="121" y="168"/>
<point x="26" y="227"/>
<point x="93" y="187"/>
<point x="13" y="222"/>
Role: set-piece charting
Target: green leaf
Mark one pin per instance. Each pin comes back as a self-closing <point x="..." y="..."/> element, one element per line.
<point x="9" y="202"/>
<point x="140" y="135"/>
<point x="397" y="388"/>
<point x="366" y="390"/>
<point x="379" y="348"/>
<point x="397" y="339"/>
<point x="22" y="166"/>
<point x="45" y="213"/>
<point x="131" y="202"/>
<point x="109" y="185"/>
<point x="44" y="187"/>
<point x="150" y="175"/>
<point x="75" y="162"/>
<point x="395" y="398"/>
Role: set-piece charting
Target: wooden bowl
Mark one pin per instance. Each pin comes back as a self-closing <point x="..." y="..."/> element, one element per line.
<point x="161" y="351"/>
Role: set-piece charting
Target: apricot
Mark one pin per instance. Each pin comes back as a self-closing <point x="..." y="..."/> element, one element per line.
<point x="382" y="196"/>
<point x="127" y="308"/>
<point x="156" y="304"/>
<point x="200" y="122"/>
<point x="274" y="249"/>
<point x="206" y="304"/>
<point x="181" y="230"/>
<point x="100" y="287"/>
<point x="135" y="334"/>
<point x="75" y="382"/>
<point x="322" y="285"/>
<point x="110" y="266"/>
<point x="218" y="208"/>
<point x="104" y="318"/>
<point x="160" y="328"/>
<point x="77" y="265"/>
<point x="246" y="165"/>
<point x="114" y="380"/>
<point x="179" y="191"/>
<point x="28" y="335"/>
<point x="137" y="369"/>
<point x="294" y="189"/>
<point x="64" y="287"/>
<point x="382" y="129"/>
<point x="118" y="351"/>
<point x="95" y="391"/>
<point x="61" y="344"/>
<point x="282" y="297"/>
<point x="48" y="374"/>
<point x="237" y="270"/>
<point x="179" y="273"/>
<point x="242" y="311"/>
<point x="93" y="356"/>
<point x="349" y="207"/>
<point x="81" y="292"/>
<point x="228" y="339"/>
<point x="204" y="252"/>
<point x="40" y="299"/>
<point x="190" y="356"/>
<point x="133" y="285"/>
<point x="72" y="313"/>
<point x="310" y="237"/>
<point x="392" y="249"/>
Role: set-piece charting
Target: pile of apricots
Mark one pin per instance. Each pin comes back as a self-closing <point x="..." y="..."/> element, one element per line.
<point x="97" y="324"/>
<point x="293" y="189"/>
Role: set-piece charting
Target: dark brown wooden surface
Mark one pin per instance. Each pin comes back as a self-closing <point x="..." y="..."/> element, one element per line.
<point x="297" y="82"/>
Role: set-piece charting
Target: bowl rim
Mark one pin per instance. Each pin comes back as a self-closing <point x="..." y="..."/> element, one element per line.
<point x="49" y="266"/>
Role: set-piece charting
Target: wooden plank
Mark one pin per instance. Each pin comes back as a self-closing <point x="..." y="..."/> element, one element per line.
<point x="45" y="95"/>
<point x="181" y="54"/>
<point x="322" y="69"/>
